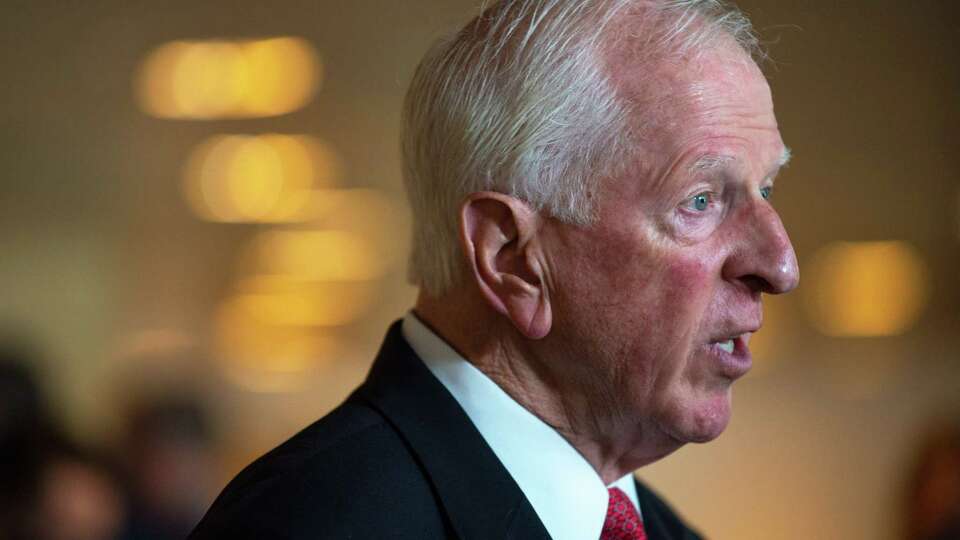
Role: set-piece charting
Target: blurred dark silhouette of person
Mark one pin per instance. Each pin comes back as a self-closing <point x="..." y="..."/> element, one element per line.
<point x="933" y="495"/>
<point x="170" y="467"/>
<point x="24" y="430"/>
<point x="50" y="487"/>
<point x="79" y="496"/>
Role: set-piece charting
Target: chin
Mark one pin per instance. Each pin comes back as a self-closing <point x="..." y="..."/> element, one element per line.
<point x="702" y="421"/>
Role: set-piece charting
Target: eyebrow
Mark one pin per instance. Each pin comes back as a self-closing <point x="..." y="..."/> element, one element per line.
<point x="707" y="162"/>
<point x="785" y="156"/>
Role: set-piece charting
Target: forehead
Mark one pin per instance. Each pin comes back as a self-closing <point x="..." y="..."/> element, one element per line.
<point x="718" y="100"/>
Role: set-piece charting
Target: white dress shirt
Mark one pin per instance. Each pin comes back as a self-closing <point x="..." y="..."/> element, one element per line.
<point x="563" y="488"/>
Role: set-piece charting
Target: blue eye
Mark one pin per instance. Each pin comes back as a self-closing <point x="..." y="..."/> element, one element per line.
<point x="766" y="191"/>
<point x="700" y="202"/>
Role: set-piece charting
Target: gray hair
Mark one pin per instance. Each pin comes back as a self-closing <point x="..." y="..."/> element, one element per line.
<point x="520" y="102"/>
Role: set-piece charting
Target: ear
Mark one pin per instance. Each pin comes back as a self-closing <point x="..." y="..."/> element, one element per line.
<point x="500" y="238"/>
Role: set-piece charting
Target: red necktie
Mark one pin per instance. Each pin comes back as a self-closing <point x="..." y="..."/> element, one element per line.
<point x="623" y="521"/>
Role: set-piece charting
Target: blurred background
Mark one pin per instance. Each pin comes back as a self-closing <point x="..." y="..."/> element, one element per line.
<point x="203" y="237"/>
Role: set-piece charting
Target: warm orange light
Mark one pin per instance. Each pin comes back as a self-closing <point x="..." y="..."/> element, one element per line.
<point x="254" y="179"/>
<point x="205" y="79"/>
<point x="866" y="289"/>
<point x="264" y="357"/>
<point x="308" y="164"/>
<point x="370" y="213"/>
<point x="266" y="178"/>
<point x="284" y="73"/>
<point x="315" y="255"/>
<point x="285" y="302"/>
<point x="228" y="79"/>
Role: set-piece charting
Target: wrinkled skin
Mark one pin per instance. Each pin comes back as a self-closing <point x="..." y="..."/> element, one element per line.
<point x="611" y="332"/>
<point x="641" y="297"/>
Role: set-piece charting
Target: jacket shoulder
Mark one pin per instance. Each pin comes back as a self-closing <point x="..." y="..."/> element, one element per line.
<point x="348" y="475"/>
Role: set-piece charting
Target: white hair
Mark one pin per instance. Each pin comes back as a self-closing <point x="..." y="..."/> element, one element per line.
<point x="520" y="102"/>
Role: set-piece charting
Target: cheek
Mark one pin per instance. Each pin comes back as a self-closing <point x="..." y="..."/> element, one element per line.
<point x="653" y="292"/>
<point x="641" y="299"/>
<point x="683" y="280"/>
<point x="683" y="290"/>
<point x="684" y="294"/>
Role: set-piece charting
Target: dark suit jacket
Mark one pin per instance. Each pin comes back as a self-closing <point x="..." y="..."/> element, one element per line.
<point x="398" y="459"/>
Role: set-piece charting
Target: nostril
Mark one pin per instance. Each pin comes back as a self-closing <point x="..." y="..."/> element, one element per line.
<point x="756" y="284"/>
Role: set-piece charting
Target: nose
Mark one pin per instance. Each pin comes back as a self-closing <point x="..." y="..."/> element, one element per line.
<point x="763" y="258"/>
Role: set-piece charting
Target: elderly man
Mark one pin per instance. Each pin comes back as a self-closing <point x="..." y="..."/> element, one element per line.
<point x="590" y="181"/>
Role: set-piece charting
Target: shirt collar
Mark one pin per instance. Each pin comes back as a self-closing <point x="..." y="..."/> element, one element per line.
<point x="563" y="488"/>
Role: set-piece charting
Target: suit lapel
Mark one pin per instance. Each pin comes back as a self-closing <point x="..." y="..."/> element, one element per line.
<point x="479" y="496"/>
<point x="659" y="522"/>
<point x="652" y="520"/>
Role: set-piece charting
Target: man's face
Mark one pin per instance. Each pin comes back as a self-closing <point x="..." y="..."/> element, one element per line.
<point x="655" y="303"/>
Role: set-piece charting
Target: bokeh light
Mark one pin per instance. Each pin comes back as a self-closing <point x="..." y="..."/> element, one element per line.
<point x="372" y="214"/>
<point x="228" y="79"/>
<point x="263" y="178"/>
<point x="263" y="357"/>
<point x="315" y="255"/>
<point x="272" y="334"/>
<point x="297" y="282"/>
<point x="281" y="301"/>
<point x="866" y="289"/>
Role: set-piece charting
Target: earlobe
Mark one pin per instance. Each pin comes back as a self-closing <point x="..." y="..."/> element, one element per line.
<point x="500" y="239"/>
<point x="529" y="308"/>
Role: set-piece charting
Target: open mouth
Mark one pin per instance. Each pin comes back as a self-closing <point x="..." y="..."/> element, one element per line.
<point x="735" y="344"/>
<point x="726" y="346"/>
<point x="733" y="355"/>
<point x="732" y="345"/>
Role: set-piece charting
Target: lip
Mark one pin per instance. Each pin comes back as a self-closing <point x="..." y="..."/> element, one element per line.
<point x="736" y="364"/>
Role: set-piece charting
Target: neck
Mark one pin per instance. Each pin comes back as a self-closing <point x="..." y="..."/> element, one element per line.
<point x="578" y="412"/>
